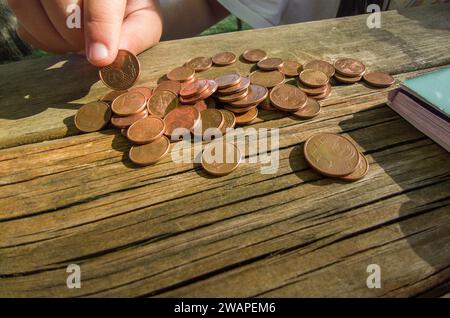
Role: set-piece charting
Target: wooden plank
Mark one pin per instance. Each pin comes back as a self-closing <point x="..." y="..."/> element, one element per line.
<point x="40" y="97"/>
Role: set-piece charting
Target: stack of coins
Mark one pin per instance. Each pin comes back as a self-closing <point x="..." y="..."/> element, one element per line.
<point x="335" y="156"/>
<point x="314" y="80"/>
<point x="350" y="71"/>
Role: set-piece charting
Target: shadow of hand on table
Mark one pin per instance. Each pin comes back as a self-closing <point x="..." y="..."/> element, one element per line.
<point x="32" y="86"/>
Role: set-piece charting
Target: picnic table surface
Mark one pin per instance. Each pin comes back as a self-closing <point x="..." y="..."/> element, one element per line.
<point x="171" y="230"/>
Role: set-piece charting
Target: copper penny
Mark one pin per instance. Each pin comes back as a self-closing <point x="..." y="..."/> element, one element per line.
<point x="350" y="67"/>
<point x="270" y="64"/>
<point x="122" y="73"/>
<point x="248" y="117"/>
<point x="186" y="117"/>
<point x="149" y="154"/>
<point x="111" y="96"/>
<point x="239" y="110"/>
<point x="161" y="103"/>
<point x="290" y="68"/>
<point x="126" y="121"/>
<point x="146" y="130"/>
<point x="254" y="56"/>
<point x="200" y="64"/>
<point x="312" y="91"/>
<point x="228" y="80"/>
<point x="128" y="104"/>
<point x="171" y="86"/>
<point x="379" y="79"/>
<point x="256" y="94"/>
<point x="212" y="88"/>
<point x="93" y="117"/>
<point x="325" y="94"/>
<point x="314" y="78"/>
<point x="181" y="74"/>
<point x="240" y="87"/>
<point x="221" y="158"/>
<point x="224" y="59"/>
<point x="331" y="155"/>
<point x="318" y="65"/>
<point x="234" y="97"/>
<point x="347" y="80"/>
<point x="311" y="110"/>
<point x="267" y="79"/>
<point x="212" y="121"/>
<point x="229" y="120"/>
<point x="147" y="92"/>
<point x="194" y="88"/>
<point x="361" y="170"/>
<point x="288" y="98"/>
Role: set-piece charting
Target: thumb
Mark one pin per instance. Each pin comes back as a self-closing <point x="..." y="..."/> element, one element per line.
<point x="102" y="24"/>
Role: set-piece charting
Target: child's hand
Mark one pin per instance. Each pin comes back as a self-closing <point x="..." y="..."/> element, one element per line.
<point x="107" y="26"/>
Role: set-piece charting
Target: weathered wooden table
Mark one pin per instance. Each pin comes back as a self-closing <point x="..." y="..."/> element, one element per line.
<point x="169" y="230"/>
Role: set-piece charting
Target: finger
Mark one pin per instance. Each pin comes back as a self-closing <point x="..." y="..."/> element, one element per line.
<point x="59" y="13"/>
<point x="26" y="36"/>
<point x="142" y="27"/>
<point x="34" y="19"/>
<point x="102" y="26"/>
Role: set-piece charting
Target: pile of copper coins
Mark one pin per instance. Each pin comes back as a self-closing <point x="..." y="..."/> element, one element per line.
<point x="149" y="116"/>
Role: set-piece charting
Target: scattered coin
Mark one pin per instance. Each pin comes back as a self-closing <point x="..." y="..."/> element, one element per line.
<point x="122" y="73"/>
<point x="221" y="158"/>
<point x="379" y="79"/>
<point x="93" y="117"/>
<point x="181" y="74"/>
<point x="256" y="94"/>
<point x="147" y="92"/>
<point x="314" y="78"/>
<point x="212" y="121"/>
<point x="347" y="80"/>
<point x="200" y="64"/>
<point x="229" y="120"/>
<point x="212" y="88"/>
<point x="270" y="64"/>
<point x="331" y="155"/>
<point x="194" y="88"/>
<point x="247" y="118"/>
<point x="129" y="104"/>
<point x="224" y="59"/>
<point x="126" y="121"/>
<point x="290" y="68"/>
<point x="288" y="98"/>
<point x="350" y="67"/>
<point x="254" y="56"/>
<point x="111" y="96"/>
<point x="186" y="117"/>
<point x="311" y="110"/>
<point x="161" y="103"/>
<point x="149" y="154"/>
<point x="318" y="65"/>
<point x="146" y="130"/>
<point x="228" y="80"/>
<point x="267" y="79"/>
<point x="171" y="86"/>
<point x="361" y="170"/>
<point x="241" y="86"/>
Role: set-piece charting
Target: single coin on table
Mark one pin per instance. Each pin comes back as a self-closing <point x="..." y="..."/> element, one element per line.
<point x="228" y="80"/>
<point x="183" y="117"/>
<point x="350" y="67"/>
<point x="181" y="74"/>
<point x="240" y="87"/>
<point x="331" y="155"/>
<point x="122" y="122"/>
<point x="313" y="78"/>
<point x="379" y="79"/>
<point x="311" y="109"/>
<point x="161" y="103"/>
<point x="200" y="64"/>
<point x="290" y="68"/>
<point x="129" y="104"/>
<point x="149" y="154"/>
<point x="361" y="170"/>
<point x="123" y="73"/>
<point x="111" y="96"/>
<point x="267" y="79"/>
<point x="224" y="59"/>
<point x="147" y="92"/>
<point x="171" y="86"/>
<point x="270" y="64"/>
<point x="146" y="130"/>
<point x="312" y="90"/>
<point x="221" y="158"/>
<point x="288" y="98"/>
<point x="229" y="120"/>
<point x="247" y="118"/>
<point x="93" y="117"/>
<point x="347" y="80"/>
<point x="254" y="55"/>
<point x="194" y="88"/>
<point x="212" y="121"/>
<point x="256" y="94"/>
<point x="318" y="65"/>
<point x="212" y="88"/>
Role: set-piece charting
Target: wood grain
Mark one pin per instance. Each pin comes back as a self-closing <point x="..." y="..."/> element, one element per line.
<point x="170" y="230"/>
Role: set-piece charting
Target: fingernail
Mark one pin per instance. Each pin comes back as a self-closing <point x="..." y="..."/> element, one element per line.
<point x="98" y="52"/>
